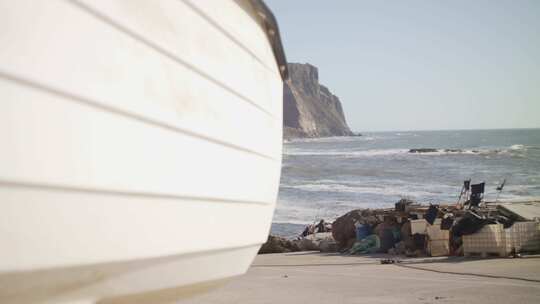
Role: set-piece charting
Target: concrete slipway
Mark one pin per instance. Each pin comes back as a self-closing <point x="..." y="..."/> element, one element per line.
<point x="311" y="277"/>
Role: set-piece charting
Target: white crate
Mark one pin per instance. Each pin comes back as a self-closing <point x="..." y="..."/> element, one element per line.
<point x="418" y="226"/>
<point x="523" y="237"/>
<point x="491" y="239"/>
<point x="435" y="233"/>
<point x="438" y="248"/>
<point x="438" y="240"/>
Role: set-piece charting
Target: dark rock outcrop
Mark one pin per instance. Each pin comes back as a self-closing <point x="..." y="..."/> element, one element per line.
<point x="423" y="150"/>
<point x="309" y="108"/>
<point x="328" y="246"/>
<point x="320" y="241"/>
<point x="343" y="229"/>
<point x="276" y="244"/>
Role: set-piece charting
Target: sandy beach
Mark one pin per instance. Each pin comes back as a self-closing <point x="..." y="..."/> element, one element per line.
<point x="330" y="278"/>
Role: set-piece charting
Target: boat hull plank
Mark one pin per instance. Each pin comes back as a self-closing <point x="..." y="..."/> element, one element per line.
<point x="192" y="37"/>
<point x="104" y="65"/>
<point x="235" y="23"/>
<point x="141" y="147"/>
<point x="173" y="278"/>
<point x="67" y="144"/>
<point x="116" y="228"/>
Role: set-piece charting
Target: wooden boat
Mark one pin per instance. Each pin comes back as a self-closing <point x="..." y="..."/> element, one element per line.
<point x="140" y="146"/>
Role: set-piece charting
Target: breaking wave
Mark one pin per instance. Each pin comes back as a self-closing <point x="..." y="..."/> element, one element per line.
<point x="335" y="139"/>
<point x="394" y="190"/>
<point x="406" y="134"/>
<point x="403" y="152"/>
<point x="344" y="153"/>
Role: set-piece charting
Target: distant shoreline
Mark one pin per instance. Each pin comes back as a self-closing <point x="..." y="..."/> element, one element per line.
<point x="443" y="130"/>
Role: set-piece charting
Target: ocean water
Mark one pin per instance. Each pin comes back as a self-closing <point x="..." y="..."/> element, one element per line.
<point x="325" y="178"/>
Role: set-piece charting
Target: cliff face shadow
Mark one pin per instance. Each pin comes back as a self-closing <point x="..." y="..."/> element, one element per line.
<point x="309" y="108"/>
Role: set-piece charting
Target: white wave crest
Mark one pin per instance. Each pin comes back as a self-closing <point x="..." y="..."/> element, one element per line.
<point x="517" y="147"/>
<point x="403" y="152"/>
<point x="343" y="153"/>
<point x="401" y="191"/>
<point x="335" y="139"/>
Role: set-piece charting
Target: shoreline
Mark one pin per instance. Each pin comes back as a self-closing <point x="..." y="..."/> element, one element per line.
<point x="415" y="230"/>
<point x="527" y="199"/>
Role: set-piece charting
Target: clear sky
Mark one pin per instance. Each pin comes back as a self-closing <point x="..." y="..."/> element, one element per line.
<point x="415" y="65"/>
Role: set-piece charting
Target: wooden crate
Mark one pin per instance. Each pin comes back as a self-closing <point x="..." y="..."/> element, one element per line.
<point x="438" y="241"/>
<point x="489" y="241"/>
<point x="523" y="237"/>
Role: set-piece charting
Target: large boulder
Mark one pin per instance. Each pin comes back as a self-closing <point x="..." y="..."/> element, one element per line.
<point x="314" y="241"/>
<point x="343" y="228"/>
<point x="307" y="244"/>
<point x="423" y="150"/>
<point x="406" y="236"/>
<point x="328" y="246"/>
<point x="276" y="244"/>
<point x="388" y="232"/>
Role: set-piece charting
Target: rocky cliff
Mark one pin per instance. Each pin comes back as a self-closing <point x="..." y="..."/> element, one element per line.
<point x="309" y="108"/>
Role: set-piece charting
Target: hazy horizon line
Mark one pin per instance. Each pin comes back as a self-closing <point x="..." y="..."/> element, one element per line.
<point x="432" y="130"/>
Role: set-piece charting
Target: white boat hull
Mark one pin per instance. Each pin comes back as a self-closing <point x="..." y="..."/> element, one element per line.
<point x="141" y="147"/>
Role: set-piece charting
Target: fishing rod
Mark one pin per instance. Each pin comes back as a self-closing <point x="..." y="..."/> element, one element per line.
<point x="500" y="189"/>
<point x="464" y="190"/>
